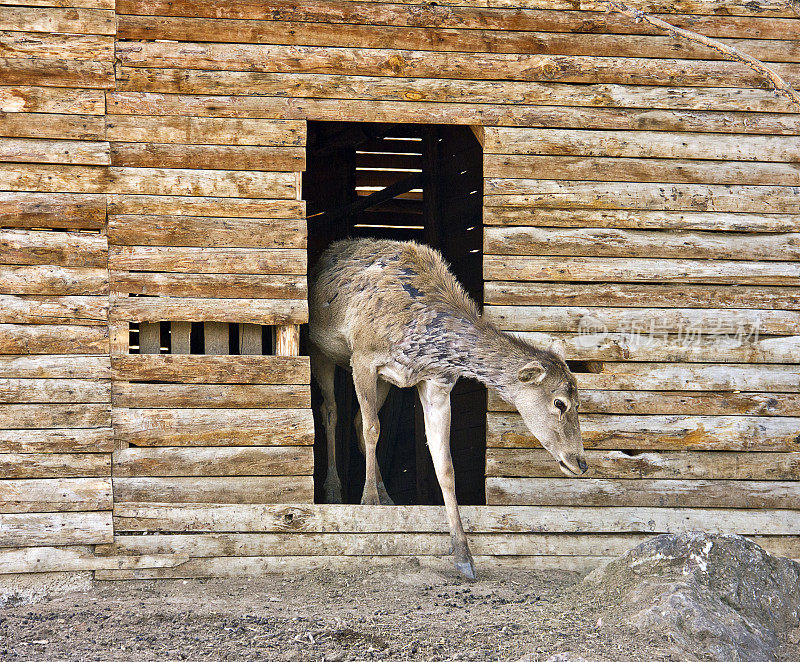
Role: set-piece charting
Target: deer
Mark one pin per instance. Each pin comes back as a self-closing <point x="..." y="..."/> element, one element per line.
<point x="392" y="313"/>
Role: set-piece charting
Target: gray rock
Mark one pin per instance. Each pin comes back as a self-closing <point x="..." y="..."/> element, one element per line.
<point x="715" y="597"/>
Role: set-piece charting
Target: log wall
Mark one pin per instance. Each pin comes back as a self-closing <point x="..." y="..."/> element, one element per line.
<point x="640" y="203"/>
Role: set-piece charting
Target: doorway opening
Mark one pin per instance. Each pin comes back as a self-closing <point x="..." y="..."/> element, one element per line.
<point x="405" y="182"/>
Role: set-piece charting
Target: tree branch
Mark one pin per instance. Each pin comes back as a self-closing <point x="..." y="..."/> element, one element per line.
<point x="728" y="52"/>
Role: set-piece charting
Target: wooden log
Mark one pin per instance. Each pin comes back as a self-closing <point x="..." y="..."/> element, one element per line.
<point x="45" y="279"/>
<point x="54" y="366"/>
<point x="53" y="339"/>
<point x="53" y="310"/>
<point x="287" y="340"/>
<point x="639" y="295"/>
<point x="216" y="157"/>
<point x="214" y="427"/>
<point x="241" y="518"/>
<point x="88" y="4"/>
<point x="639" y="144"/>
<point x="211" y="311"/>
<point x="223" y="183"/>
<point x="61" y="210"/>
<point x="35" y="99"/>
<point x="248" y="489"/>
<point x="71" y="559"/>
<point x="205" y="130"/>
<point x="139" y="229"/>
<point x="208" y="260"/>
<point x="34" y="529"/>
<point x="55" y="465"/>
<point x="79" y="152"/>
<point x="180" y="337"/>
<point x="632" y="270"/>
<point x="22" y="416"/>
<point x="210" y="396"/>
<point x="211" y="461"/>
<point x="54" y="390"/>
<point x="643" y="492"/>
<point x="57" y="73"/>
<point x="60" y="495"/>
<point x="212" y="369"/>
<point x="640" y="219"/>
<point x="659" y="432"/>
<point x="56" y="46"/>
<point x="45" y="126"/>
<point x="94" y="440"/>
<point x="250" y="340"/>
<point x="53" y="178"/>
<point x="229" y="286"/>
<point x="69" y="20"/>
<point x="707" y="465"/>
<point x="66" y="249"/>
<point x="205" y="206"/>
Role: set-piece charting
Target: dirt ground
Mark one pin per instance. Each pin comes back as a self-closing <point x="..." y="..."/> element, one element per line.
<point x="411" y="613"/>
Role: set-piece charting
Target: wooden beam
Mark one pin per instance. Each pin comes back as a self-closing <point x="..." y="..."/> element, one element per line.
<point x="374" y="199"/>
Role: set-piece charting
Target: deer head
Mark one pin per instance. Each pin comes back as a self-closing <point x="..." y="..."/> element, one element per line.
<point x="546" y="395"/>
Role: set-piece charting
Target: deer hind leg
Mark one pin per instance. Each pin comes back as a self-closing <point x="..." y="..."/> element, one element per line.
<point x="365" y="380"/>
<point x="435" y="398"/>
<point x="324" y="371"/>
<point x="382" y="391"/>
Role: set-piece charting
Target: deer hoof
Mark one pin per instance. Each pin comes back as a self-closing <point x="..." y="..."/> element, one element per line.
<point x="370" y="498"/>
<point x="466" y="568"/>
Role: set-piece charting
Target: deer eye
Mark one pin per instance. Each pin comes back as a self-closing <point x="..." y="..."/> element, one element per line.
<point x="560" y="405"/>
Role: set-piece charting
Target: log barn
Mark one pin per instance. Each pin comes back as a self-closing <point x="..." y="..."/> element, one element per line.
<point x="170" y="168"/>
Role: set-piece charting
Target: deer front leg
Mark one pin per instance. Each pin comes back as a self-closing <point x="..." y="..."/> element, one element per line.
<point x="365" y="380"/>
<point x="324" y="372"/>
<point x="382" y="392"/>
<point x="435" y="398"/>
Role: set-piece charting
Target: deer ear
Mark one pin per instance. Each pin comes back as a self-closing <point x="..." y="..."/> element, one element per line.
<point x="532" y="373"/>
<point x="559" y="349"/>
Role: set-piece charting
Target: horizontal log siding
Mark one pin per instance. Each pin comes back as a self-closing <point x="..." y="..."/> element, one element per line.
<point x="55" y="371"/>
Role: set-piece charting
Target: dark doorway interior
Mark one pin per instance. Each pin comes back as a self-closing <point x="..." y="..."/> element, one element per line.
<point x="401" y="181"/>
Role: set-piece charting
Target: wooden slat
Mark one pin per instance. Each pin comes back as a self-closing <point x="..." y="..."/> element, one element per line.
<point x="57" y="73"/>
<point x="653" y="270"/>
<point x="31" y="530"/>
<point x="42" y="280"/>
<point x="88" y="4"/>
<point x="211" y="461"/>
<point x="56" y="46"/>
<point x="62" y="210"/>
<point x="214" y="427"/>
<point x="205" y="206"/>
<point x="26" y="150"/>
<point x="660" y="432"/>
<point x="35" y="99"/>
<point x="64" y="494"/>
<point x="53" y="310"/>
<point x="210" y="396"/>
<point x="538" y="463"/>
<point x="54" y="390"/>
<point x="180" y="339"/>
<point x="55" y="465"/>
<point x="211" y="311"/>
<point x="22" y="416"/>
<point x="140" y="229"/>
<point x="70" y="20"/>
<point x="216" y="338"/>
<point x="52" y="339"/>
<point x="213" y="370"/>
<point x="233" y="286"/>
<point x="150" y="338"/>
<point x="643" y="492"/>
<point x="54" y="366"/>
<point x="248" y="489"/>
<point x="205" y="130"/>
<point x="56" y="248"/>
<point x="250" y="341"/>
<point x="56" y="126"/>
<point x="53" y="178"/>
<point x="208" y="260"/>
<point x="96" y="440"/>
<point x="216" y="157"/>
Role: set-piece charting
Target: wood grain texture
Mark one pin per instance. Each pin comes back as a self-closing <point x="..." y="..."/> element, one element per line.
<point x="53" y="178"/>
<point x="52" y="126"/>
<point x="93" y="440"/>
<point x="53" y="339"/>
<point x="37" y="99"/>
<point x="53" y="309"/>
<point x="76" y="152"/>
<point x="247" y="489"/>
<point x="205" y="206"/>
<point x="212" y="370"/>
<point x="44" y="280"/>
<point x="55" y="465"/>
<point x="55" y="366"/>
<point x="56" y="19"/>
<point x="191" y="309"/>
<point x="34" y="529"/>
<point x="208" y="260"/>
<point x="31" y="416"/>
<point x="52" y="210"/>
<point x="56" y="46"/>
<point x="65" y="249"/>
<point x="54" y="391"/>
<point x="59" y="495"/>
<point x="216" y="157"/>
<point x="210" y="396"/>
<point x="228" y="286"/>
<point x="57" y="73"/>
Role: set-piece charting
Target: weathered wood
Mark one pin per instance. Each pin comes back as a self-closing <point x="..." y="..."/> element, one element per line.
<point x="57" y="73"/>
<point x="216" y="157"/>
<point x="56" y="46"/>
<point x="53" y="178"/>
<point x="43" y="280"/>
<point x="54" y="390"/>
<point x="213" y="369"/>
<point x="660" y="432"/>
<point x="210" y="396"/>
<point x="211" y="311"/>
<point x="431" y="519"/>
<point x="214" y="427"/>
<point x="34" y="99"/>
<point x="66" y="249"/>
<point x="639" y="295"/>
<point x="80" y="152"/>
<point x="211" y="461"/>
<point x="45" y="125"/>
<point x="95" y="440"/>
<point x="53" y="310"/>
<point x="287" y="340"/>
<point x="233" y="286"/>
<point x="653" y="270"/>
<point x="53" y="339"/>
<point x="22" y="416"/>
<point x="248" y="489"/>
<point x="34" y="529"/>
<point x="643" y="492"/>
<point x="140" y="229"/>
<point x="54" y="366"/>
<point x="181" y="181"/>
<point x="538" y="463"/>
<point x="70" y="20"/>
<point x="208" y="260"/>
<point x="205" y="206"/>
<point x="180" y="338"/>
<point x="250" y="340"/>
<point x="216" y="338"/>
<point x="55" y="465"/>
<point x="52" y="210"/>
<point x="150" y="338"/>
<point x="65" y="494"/>
<point x="205" y="130"/>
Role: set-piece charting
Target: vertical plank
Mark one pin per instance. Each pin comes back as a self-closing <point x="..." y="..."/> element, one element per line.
<point x="287" y="340"/>
<point x="149" y="338"/>
<point x="250" y="339"/>
<point x="181" y="337"/>
<point x="216" y="337"/>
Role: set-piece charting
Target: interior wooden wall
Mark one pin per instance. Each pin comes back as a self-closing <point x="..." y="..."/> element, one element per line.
<point x="629" y="175"/>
